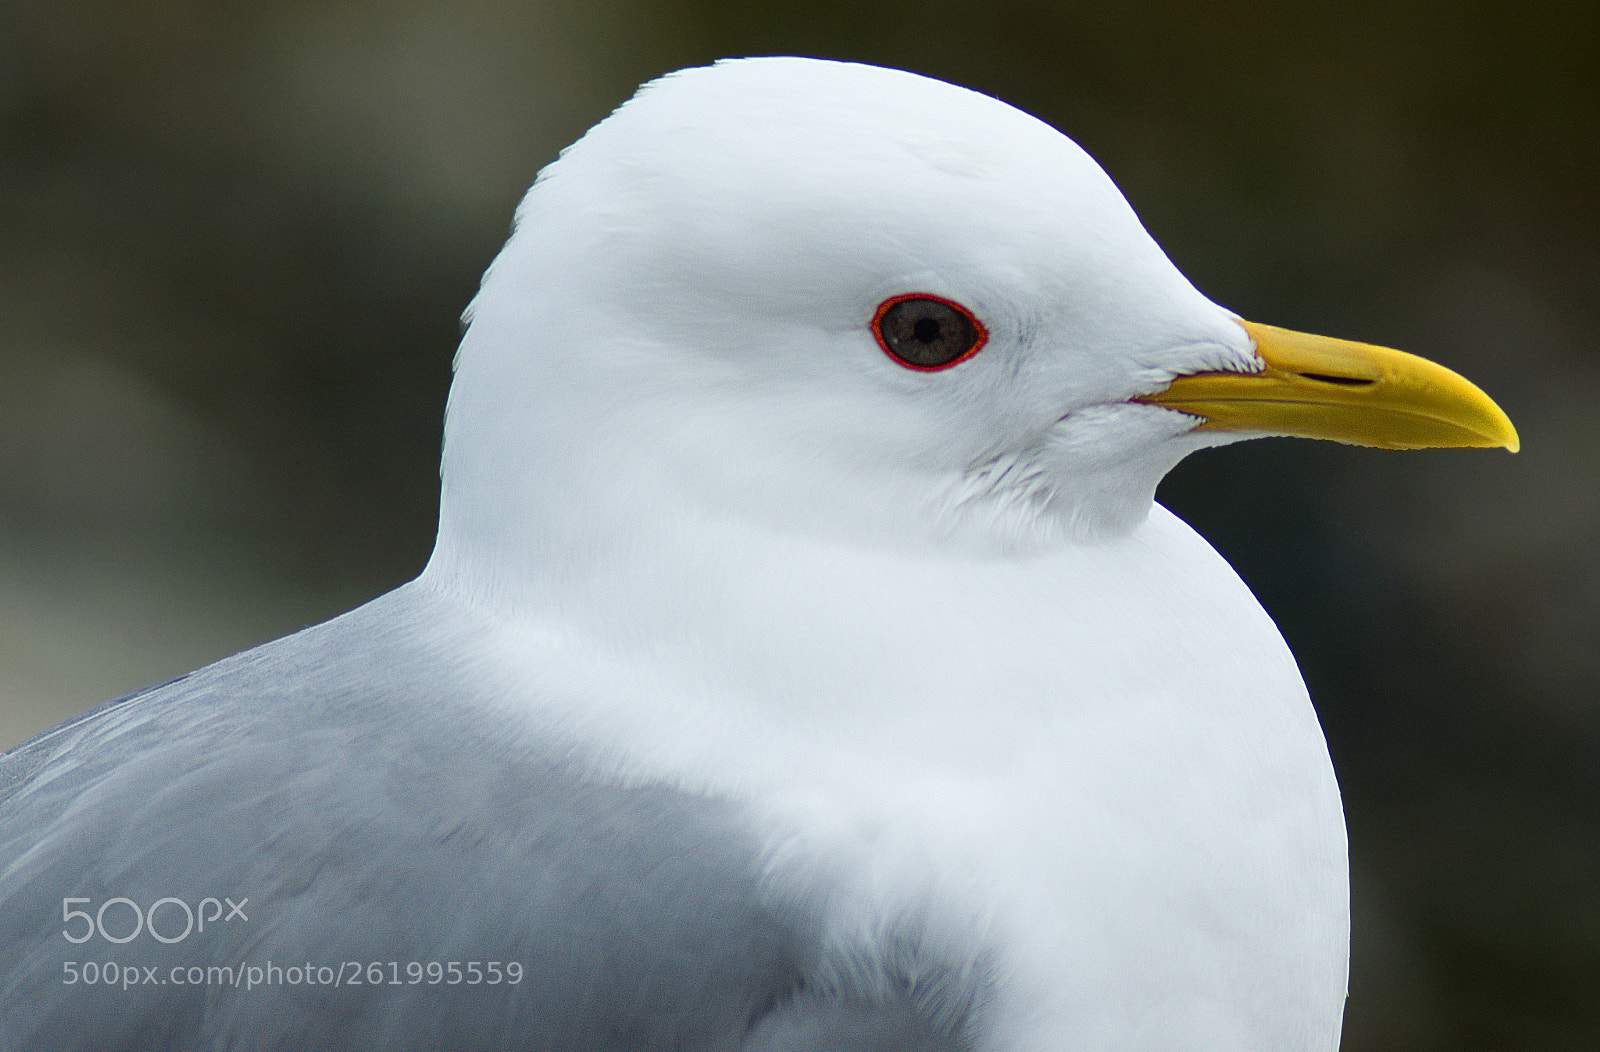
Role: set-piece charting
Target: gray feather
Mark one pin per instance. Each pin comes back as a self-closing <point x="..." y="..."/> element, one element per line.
<point x="363" y="824"/>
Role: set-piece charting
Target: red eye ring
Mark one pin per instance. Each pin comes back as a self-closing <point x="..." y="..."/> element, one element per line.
<point x="927" y="333"/>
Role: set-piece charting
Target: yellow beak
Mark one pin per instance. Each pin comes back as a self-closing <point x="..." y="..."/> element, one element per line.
<point x="1317" y="387"/>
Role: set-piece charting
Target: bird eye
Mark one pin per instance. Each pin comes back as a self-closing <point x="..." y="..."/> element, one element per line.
<point x="927" y="332"/>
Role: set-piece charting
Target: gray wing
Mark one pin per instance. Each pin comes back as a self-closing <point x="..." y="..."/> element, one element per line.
<point x="267" y="855"/>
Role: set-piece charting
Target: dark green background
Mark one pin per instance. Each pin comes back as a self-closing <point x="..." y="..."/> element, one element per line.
<point x="235" y="239"/>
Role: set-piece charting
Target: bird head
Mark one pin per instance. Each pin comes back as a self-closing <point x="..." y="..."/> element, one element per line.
<point x="856" y="301"/>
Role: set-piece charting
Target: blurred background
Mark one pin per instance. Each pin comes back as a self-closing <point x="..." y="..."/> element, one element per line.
<point x="235" y="241"/>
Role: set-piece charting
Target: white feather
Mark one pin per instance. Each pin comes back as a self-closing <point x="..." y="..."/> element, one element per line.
<point x="925" y="624"/>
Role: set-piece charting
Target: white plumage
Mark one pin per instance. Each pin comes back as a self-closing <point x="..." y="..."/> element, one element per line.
<point x="928" y="623"/>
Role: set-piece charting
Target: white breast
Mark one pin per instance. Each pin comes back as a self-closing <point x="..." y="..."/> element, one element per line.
<point x="1095" y="771"/>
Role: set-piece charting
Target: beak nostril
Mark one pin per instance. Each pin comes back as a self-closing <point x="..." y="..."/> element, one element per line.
<point x="1347" y="381"/>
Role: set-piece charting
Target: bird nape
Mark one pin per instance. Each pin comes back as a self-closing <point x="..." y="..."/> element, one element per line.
<point x="803" y="662"/>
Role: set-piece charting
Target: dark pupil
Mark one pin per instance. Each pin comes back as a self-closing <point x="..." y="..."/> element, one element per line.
<point x="927" y="332"/>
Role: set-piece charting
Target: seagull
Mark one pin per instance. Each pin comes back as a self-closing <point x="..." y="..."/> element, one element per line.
<point x="803" y="663"/>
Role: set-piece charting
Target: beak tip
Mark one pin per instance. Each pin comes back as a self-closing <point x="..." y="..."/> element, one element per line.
<point x="1505" y="431"/>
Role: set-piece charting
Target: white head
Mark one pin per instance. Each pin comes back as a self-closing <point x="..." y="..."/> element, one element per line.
<point x="685" y="315"/>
